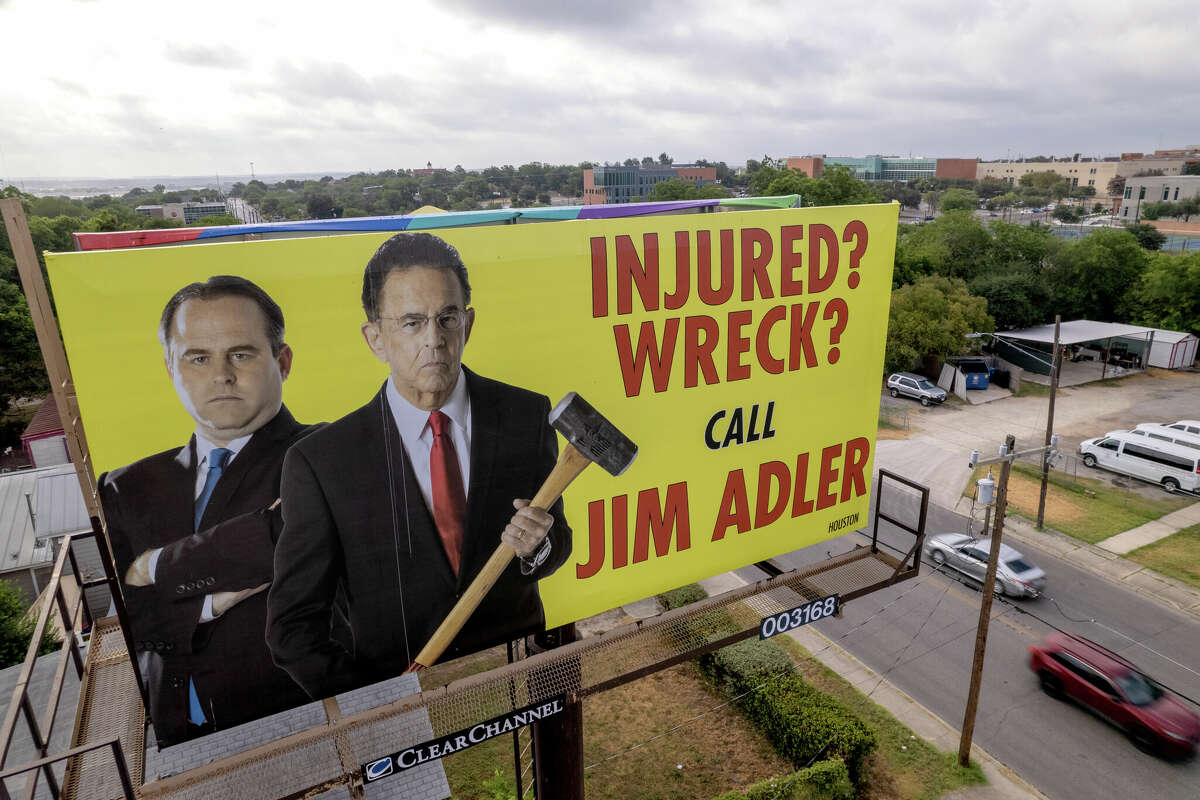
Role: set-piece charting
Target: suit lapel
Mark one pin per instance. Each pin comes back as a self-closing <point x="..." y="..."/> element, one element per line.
<point x="248" y="460"/>
<point x="178" y="508"/>
<point x="397" y="512"/>
<point x="485" y="423"/>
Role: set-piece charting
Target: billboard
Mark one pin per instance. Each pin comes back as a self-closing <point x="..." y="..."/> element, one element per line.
<point x="742" y="353"/>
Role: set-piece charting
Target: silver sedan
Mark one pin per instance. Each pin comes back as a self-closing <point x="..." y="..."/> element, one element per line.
<point x="969" y="555"/>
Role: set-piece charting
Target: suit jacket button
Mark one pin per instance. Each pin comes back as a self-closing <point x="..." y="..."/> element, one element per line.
<point x="176" y="683"/>
<point x="179" y="589"/>
<point x="170" y="647"/>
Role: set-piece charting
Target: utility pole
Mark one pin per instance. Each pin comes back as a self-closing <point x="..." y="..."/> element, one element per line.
<point x="985" y="603"/>
<point x="1055" y="370"/>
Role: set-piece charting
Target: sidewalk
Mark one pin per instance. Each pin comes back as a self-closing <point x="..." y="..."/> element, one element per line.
<point x="1003" y="783"/>
<point x="1153" y="530"/>
<point x="1105" y="563"/>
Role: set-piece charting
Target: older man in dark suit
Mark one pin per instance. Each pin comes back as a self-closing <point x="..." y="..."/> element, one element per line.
<point x="193" y="528"/>
<point x="392" y="510"/>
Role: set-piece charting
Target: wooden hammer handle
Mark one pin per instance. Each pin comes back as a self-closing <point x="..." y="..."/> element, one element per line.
<point x="570" y="463"/>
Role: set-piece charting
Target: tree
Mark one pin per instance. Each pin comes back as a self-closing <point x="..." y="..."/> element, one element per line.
<point x="1187" y="207"/>
<point x="1168" y="295"/>
<point x="932" y="318"/>
<point x="1116" y="186"/>
<point x="954" y="245"/>
<point x="1157" y="210"/>
<point x="959" y="200"/>
<point x="1067" y="214"/>
<point x="253" y="195"/>
<point x="215" y="220"/>
<point x="1148" y="236"/>
<point x="22" y="371"/>
<point x="837" y="186"/>
<point x="1042" y="180"/>
<point x="932" y="200"/>
<point x="647" y="161"/>
<point x="318" y="203"/>
<point x="901" y="192"/>
<point x="672" y="189"/>
<point x="1092" y="278"/>
<point x="16" y="628"/>
<point x="1004" y="201"/>
<point x="665" y="160"/>
<point x="1190" y="168"/>
<point x="1016" y="298"/>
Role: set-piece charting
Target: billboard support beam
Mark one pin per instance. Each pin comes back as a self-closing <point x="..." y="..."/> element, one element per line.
<point x="63" y="387"/>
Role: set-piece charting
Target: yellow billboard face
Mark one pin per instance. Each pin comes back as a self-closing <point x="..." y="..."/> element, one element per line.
<point x="742" y="353"/>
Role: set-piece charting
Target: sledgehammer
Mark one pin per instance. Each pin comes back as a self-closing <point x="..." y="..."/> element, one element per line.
<point x="590" y="438"/>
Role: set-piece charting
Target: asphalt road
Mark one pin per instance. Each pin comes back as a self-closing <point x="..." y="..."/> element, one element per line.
<point x="920" y="634"/>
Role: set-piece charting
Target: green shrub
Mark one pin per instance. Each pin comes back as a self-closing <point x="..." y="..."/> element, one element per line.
<point x="825" y="780"/>
<point x="742" y="666"/>
<point x="16" y="627"/>
<point x="684" y="595"/>
<point x="803" y="724"/>
<point x="500" y="787"/>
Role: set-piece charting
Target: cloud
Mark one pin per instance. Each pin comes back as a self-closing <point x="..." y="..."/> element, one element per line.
<point x="206" y="56"/>
<point x="559" y="16"/>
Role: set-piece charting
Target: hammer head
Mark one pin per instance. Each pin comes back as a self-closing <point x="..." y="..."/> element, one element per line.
<point x="592" y="435"/>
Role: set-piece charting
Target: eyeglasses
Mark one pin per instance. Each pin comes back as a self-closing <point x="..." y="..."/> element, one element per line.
<point x="414" y="324"/>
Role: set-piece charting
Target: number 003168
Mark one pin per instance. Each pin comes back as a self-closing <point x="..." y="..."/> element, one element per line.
<point x="785" y="621"/>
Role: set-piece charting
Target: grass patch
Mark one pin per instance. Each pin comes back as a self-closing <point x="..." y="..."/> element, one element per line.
<point x="721" y="751"/>
<point x="904" y="766"/>
<point x="888" y="425"/>
<point x="1070" y="509"/>
<point x="1031" y="389"/>
<point x="1177" y="556"/>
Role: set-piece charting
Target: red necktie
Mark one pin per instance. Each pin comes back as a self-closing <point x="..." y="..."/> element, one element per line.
<point x="449" y="498"/>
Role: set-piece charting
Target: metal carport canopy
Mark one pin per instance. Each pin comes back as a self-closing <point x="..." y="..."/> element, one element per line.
<point x="1076" y="332"/>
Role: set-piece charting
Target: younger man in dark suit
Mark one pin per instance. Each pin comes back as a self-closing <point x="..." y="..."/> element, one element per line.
<point x="391" y="511"/>
<point x="193" y="529"/>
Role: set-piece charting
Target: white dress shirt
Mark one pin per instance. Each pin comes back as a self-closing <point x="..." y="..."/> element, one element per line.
<point x="417" y="435"/>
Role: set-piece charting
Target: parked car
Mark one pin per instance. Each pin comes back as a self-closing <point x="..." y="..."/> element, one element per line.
<point x="1015" y="576"/>
<point x="1170" y="465"/>
<point x="912" y="385"/>
<point x="1075" y="668"/>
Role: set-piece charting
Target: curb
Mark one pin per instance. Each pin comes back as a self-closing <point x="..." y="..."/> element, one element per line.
<point x="1003" y="781"/>
<point x="1167" y="592"/>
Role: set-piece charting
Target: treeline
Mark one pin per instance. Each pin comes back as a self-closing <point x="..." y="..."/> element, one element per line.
<point x="956" y="275"/>
<point x="403" y="191"/>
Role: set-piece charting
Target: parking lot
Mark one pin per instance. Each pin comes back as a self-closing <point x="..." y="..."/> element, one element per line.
<point x="940" y="439"/>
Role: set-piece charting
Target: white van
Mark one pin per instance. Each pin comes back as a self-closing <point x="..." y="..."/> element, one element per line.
<point x="1191" y="426"/>
<point x="1162" y="433"/>
<point x="1170" y="465"/>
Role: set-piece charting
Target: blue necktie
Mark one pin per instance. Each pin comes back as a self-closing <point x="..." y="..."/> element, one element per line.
<point x="216" y="465"/>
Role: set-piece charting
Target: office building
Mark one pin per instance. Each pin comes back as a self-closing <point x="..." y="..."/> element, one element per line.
<point x="618" y="184"/>
<point x="888" y="168"/>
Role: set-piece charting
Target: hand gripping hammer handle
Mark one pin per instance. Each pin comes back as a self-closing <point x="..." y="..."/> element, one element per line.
<point x="590" y="437"/>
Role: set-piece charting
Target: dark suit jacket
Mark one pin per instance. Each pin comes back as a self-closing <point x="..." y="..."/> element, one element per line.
<point x="149" y="504"/>
<point x="357" y="544"/>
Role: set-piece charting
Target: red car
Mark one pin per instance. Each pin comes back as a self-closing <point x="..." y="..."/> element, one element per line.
<point x="1155" y="720"/>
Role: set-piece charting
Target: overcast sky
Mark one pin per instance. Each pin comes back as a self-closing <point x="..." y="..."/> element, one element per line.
<point x="122" y="88"/>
